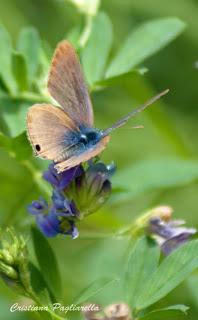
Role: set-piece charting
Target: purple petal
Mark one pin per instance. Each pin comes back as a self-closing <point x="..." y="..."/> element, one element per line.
<point x="61" y="180"/>
<point x="173" y="243"/>
<point x="75" y="233"/>
<point x="67" y="176"/>
<point x="159" y="227"/>
<point x="48" y="224"/>
<point x="51" y="175"/>
<point x="176" y="223"/>
<point x="106" y="188"/>
<point x="37" y="206"/>
<point x="58" y="200"/>
<point x="74" y="209"/>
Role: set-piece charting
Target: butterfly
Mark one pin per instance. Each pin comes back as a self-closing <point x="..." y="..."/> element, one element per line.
<point x="67" y="135"/>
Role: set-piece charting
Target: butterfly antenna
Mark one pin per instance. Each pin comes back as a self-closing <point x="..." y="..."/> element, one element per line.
<point x="131" y="114"/>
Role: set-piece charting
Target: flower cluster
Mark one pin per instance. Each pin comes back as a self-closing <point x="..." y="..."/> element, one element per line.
<point x="170" y="234"/>
<point x="14" y="262"/>
<point x="77" y="192"/>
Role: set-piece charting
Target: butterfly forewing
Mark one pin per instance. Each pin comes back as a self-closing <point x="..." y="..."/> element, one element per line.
<point x="49" y="131"/>
<point x="67" y="86"/>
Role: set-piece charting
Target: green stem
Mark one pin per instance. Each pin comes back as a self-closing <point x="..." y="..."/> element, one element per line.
<point x="33" y="97"/>
<point x="28" y="96"/>
<point x="52" y="313"/>
<point x="55" y="316"/>
<point x="86" y="31"/>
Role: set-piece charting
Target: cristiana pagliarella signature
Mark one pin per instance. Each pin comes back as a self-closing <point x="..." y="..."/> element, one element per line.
<point x="17" y="307"/>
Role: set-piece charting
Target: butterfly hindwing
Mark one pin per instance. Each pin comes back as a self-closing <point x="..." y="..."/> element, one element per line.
<point x="67" y="86"/>
<point x="49" y="131"/>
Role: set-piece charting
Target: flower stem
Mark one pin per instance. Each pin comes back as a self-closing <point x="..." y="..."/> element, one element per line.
<point x="33" y="97"/>
<point x="86" y="31"/>
<point x="52" y="313"/>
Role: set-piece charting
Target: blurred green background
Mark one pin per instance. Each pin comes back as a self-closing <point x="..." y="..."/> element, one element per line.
<point x="170" y="132"/>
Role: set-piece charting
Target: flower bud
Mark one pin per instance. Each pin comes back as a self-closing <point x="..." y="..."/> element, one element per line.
<point x="8" y="271"/>
<point x="6" y="256"/>
<point x="14" y="262"/>
<point x="93" y="313"/>
<point x="117" y="311"/>
<point x="94" y="188"/>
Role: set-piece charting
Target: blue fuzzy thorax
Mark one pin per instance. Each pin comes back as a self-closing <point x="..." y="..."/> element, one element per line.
<point x="83" y="139"/>
<point x="89" y="136"/>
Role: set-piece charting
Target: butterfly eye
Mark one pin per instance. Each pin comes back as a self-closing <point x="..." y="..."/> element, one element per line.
<point x="91" y="136"/>
<point x="83" y="139"/>
<point x="38" y="148"/>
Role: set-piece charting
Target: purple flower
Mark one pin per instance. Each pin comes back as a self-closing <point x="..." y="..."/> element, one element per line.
<point x="63" y="179"/>
<point x="38" y="206"/>
<point x="77" y="192"/>
<point x="62" y="206"/>
<point x="170" y="235"/>
<point x="48" y="224"/>
<point x="57" y="219"/>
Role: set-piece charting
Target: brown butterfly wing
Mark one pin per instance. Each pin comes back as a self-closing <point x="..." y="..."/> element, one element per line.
<point x="48" y="130"/>
<point x="67" y="86"/>
<point x="85" y="156"/>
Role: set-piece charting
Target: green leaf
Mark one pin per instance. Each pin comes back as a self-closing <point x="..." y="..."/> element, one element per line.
<point x="17" y="147"/>
<point x="93" y="289"/>
<point x="96" y="52"/>
<point x="47" y="261"/>
<point x="166" y="313"/>
<point x="148" y="175"/>
<point x="20" y="71"/>
<point x="13" y="114"/>
<point x="89" y="7"/>
<point x="38" y="284"/>
<point x="143" y="42"/>
<point x="29" y="46"/>
<point x="192" y="286"/>
<point x="4" y="142"/>
<point x="6" y="61"/>
<point x="120" y="79"/>
<point x="20" y="147"/>
<point x="142" y="262"/>
<point x="40" y="289"/>
<point x="171" y="272"/>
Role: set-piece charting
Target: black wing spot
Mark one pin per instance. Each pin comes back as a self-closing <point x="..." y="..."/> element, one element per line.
<point x="38" y="148"/>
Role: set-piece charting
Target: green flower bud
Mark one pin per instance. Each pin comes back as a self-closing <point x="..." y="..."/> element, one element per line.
<point x="92" y="188"/>
<point x="6" y="256"/>
<point x="8" y="271"/>
<point x="14" y="262"/>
